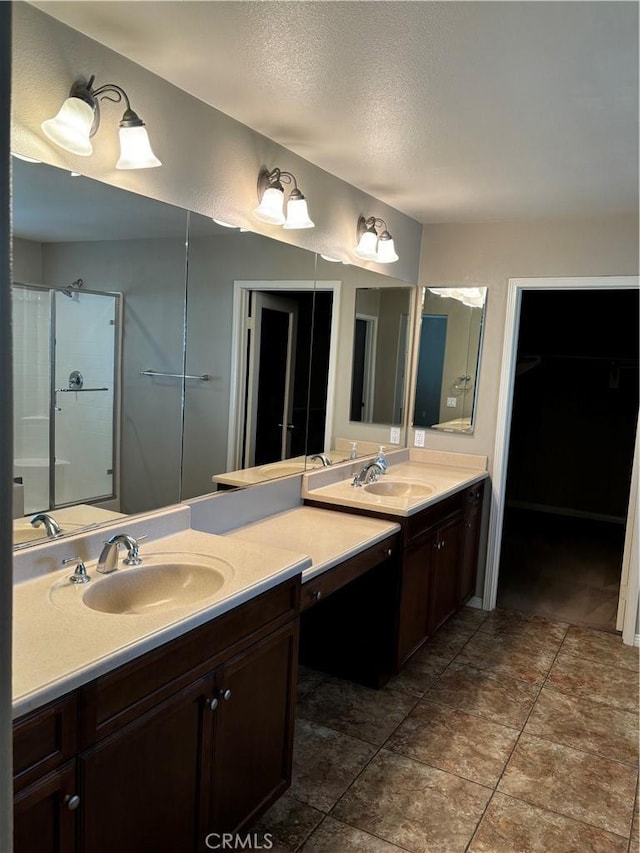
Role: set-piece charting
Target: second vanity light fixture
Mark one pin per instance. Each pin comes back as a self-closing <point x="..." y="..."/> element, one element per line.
<point x="374" y="241"/>
<point x="78" y="119"/>
<point x="271" y="198"/>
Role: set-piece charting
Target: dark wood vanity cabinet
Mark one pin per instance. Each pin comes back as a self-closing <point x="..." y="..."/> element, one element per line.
<point x="45" y="800"/>
<point x="192" y="738"/>
<point x="438" y="565"/>
<point x="471" y="522"/>
<point x="347" y="626"/>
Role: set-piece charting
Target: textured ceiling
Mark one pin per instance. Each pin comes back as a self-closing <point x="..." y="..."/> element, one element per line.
<point x="448" y="111"/>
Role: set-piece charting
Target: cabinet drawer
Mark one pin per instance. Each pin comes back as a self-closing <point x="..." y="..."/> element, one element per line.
<point x="117" y="697"/>
<point x="320" y="587"/>
<point x="423" y="522"/>
<point x="44" y="739"/>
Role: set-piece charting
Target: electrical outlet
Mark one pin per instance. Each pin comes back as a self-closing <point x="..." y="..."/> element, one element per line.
<point x="418" y="438"/>
<point x="394" y="435"/>
<point x="452" y="402"/>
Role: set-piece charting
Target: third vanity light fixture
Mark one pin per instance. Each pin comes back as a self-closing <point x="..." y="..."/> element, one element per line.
<point x="78" y="120"/>
<point x="374" y="246"/>
<point x="271" y="197"/>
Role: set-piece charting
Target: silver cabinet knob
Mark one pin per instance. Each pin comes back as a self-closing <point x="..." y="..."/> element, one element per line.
<point x="72" y="802"/>
<point x="389" y="552"/>
<point x="226" y="694"/>
<point x="316" y="594"/>
<point x="211" y="704"/>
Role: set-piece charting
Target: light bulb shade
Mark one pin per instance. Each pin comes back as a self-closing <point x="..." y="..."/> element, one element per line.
<point x="135" y="149"/>
<point x="71" y="127"/>
<point x="271" y="207"/>
<point x="297" y="213"/>
<point x="386" y="249"/>
<point x="367" y="246"/>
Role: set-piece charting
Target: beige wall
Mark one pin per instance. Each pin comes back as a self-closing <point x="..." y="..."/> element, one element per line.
<point x="490" y="254"/>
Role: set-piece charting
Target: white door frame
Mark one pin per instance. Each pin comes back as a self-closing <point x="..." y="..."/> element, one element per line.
<point x="241" y="291"/>
<point x="370" y="350"/>
<point x="516" y="286"/>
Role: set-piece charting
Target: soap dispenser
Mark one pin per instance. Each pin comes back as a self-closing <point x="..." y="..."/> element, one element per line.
<point x="381" y="459"/>
<point x="353" y="453"/>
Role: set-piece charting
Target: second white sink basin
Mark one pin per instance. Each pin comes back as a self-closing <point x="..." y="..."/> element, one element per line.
<point x="399" y="489"/>
<point x="161" y="586"/>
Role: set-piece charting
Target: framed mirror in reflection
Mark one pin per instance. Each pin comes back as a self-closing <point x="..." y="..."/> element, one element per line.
<point x="449" y="347"/>
<point x="378" y="368"/>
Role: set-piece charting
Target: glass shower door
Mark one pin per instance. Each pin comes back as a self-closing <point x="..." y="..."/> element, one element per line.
<point x="84" y="396"/>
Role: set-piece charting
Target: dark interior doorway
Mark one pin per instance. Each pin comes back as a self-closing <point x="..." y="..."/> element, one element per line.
<point x="573" y="425"/>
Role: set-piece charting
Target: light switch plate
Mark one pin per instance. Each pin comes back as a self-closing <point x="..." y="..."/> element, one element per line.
<point x="418" y="438"/>
<point x="452" y="402"/>
<point x="394" y="435"/>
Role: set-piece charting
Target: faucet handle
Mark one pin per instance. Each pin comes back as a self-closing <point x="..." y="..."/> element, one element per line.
<point x="80" y="575"/>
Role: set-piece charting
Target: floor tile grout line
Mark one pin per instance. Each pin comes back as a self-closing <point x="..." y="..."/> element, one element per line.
<point x="548" y="739"/>
<point x="608" y="664"/>
<point x="515" y="746"/>
<point x="634" y="809"/>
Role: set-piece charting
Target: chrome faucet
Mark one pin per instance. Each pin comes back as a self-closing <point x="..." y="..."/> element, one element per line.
<point x="50" y="524"/>
<point x="369" y="474"/>
<point x="322" y="457"/>
<point x="108" y="559"/>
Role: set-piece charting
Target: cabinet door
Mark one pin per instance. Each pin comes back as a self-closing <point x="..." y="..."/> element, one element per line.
<point x="469" y="559"/>
<point x="44" y="815"/>
<point x="141" y="787"/>
<point x="445" y="572"/>
<point x="254" y="730"/>
<point x="414" y="596"/>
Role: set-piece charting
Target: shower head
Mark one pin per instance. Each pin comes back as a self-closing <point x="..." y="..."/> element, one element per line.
<point x="71" y="288"/>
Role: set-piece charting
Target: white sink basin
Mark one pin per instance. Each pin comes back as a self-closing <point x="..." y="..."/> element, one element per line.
<point x="160" y="586"/>
<point x="282" y="469"/>
<point x="399" y="489"/>
<point x="23" y="531"/>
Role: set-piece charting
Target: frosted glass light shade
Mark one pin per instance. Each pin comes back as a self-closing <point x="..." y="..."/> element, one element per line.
<point x="135" y="149"/>
<point x="386" y="251"/>
<point x="71" y="127"/>
<point x="297" y="214"/>
<point x="271" y="207"/>
<point x="367" y="246"/>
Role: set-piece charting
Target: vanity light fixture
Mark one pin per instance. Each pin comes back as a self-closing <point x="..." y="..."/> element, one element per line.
<point x="472" y="297"/>
<point x="78" y="120"/>
<point x="271" y="198"/>
<point x="374" y="244"/>
<point x="333" y="260"/>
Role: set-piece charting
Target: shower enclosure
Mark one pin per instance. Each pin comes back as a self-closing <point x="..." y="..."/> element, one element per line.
<point x="66" y="356"/>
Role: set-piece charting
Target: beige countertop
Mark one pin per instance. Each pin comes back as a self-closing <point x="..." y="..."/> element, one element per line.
<point x="59" y="643"/>
<point x="434" y="476"/>
<point x="273" y="470"/>
<point x="327" y="537"/>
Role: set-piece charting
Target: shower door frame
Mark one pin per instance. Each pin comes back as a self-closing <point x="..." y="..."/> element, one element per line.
<point x="107" y="501"/>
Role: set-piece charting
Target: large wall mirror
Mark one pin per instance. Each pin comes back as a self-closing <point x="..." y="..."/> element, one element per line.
<point x="150" y="344"/>
<point x="449" y="346"/>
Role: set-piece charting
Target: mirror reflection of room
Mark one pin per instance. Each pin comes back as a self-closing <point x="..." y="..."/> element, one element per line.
<point x="449" y="346"/>
<point x="379" y="355"/>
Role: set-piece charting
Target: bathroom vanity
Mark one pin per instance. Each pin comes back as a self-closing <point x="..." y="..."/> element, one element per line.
<point x="147" y="729"/>
<point x="195" y="736"/>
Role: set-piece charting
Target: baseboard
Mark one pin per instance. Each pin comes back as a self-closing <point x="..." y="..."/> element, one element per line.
<point x="566" y="511"/>
<point x="476" y="601"/>
<point x="636" y="640"/>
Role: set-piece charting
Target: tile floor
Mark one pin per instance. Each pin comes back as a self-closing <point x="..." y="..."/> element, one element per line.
<point x="507" y="733"/>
